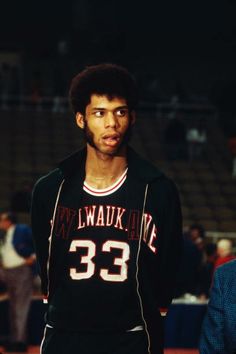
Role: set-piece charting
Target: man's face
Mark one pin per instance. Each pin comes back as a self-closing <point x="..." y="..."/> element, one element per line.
<point x="194" y="234"/>
<point x="4" y="222"/>
<point x="107" y="124"/>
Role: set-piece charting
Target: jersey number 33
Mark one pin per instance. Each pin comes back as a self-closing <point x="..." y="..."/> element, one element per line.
<point x="105" y="274"/>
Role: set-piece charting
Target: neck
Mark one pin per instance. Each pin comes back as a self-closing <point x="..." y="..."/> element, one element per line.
<point x="101" y="169"/>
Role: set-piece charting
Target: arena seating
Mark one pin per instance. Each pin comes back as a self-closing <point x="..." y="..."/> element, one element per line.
<point x="206" y="186"/>
<point x="33" y="142"/>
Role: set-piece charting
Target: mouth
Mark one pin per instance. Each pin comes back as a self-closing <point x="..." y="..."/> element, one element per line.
<point x="111" y="139"/>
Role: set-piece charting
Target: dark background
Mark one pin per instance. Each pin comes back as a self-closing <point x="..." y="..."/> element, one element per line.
<point x="188" y="43"/>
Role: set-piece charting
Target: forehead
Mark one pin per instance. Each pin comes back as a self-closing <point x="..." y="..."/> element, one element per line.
<point x="103" y="101"/>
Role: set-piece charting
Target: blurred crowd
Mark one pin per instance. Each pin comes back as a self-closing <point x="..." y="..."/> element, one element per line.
<point x="184" y="143"/>
<point x="199" y="262"/>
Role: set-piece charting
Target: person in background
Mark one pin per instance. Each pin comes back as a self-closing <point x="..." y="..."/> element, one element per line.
<point x="17" y="259"/>
<point x="206" y="271"/>
<point x="197" y="235"/>
<point x="187" y="276"/>
<point x="197" y="139"/>
<point x="224" y="252"/>
<point x="191" y="261"/>
<point x="218" y="329"/>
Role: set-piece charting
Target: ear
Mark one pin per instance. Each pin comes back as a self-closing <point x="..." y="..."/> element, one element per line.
<point x="80" y="120"/>
<point x="132" y="117"/>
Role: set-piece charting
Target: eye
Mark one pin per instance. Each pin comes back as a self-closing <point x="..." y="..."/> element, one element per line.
<point x="122" y="112"/>
<point x="99" y="114"/>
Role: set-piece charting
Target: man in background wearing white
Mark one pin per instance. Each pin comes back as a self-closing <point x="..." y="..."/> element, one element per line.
<point x="17" y="258"/>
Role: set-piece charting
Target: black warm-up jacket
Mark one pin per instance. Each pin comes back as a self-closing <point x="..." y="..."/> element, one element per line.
<point x="150" y="189"/>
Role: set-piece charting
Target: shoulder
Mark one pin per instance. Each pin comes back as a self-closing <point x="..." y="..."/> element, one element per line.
<point x="225" y="280"/>
<point x="166" y="183"/>
<point x="48" y="184"/>
<point x="45" y="191"/>
<point x="161" y="187"/>
<point x="164" y="188"/>
<point x="140" y="168"/>
<point x="149" y="173"/>
<point x="227" y="270"/>
<point x="52" y="180"/>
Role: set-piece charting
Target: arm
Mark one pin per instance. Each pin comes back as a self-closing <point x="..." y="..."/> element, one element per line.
<point x="30" y="256"/>
<point x="166" y="211"/>
<point x="212" y="336"/>
<point x="23" y="241"/>
<point x="172" y="243"/>
<point x="40" y="222"/>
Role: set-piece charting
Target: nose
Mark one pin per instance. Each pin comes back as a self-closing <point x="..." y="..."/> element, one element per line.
<point x="110" y="120"/>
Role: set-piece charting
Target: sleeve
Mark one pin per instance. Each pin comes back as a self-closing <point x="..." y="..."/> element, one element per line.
<point x="211" y="339"/>
<point x="24" y="243"/>
<point x="171" y="243"/>
<point x="40" y="223"/>
<point x="29" y="241"/>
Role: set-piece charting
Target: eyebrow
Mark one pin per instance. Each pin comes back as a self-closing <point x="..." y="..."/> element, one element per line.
<point x="104" y="109"/>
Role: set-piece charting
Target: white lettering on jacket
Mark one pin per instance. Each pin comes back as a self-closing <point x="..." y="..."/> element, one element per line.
<point x="69" y="220"/>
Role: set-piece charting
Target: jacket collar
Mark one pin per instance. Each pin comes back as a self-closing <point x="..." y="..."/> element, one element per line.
<point x="138" y="167"/>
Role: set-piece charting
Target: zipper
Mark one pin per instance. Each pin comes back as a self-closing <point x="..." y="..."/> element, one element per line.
<point x="45" y="300"/>
<point x="137" y="270"/>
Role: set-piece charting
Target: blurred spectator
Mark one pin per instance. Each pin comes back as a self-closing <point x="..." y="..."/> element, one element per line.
<point x="224" y="252"/>
<point x="196" y="138"/>
<point x="197" y="235"/>
<point x="17" y="259"/>
<point x="175" y="139"/>
<point x="206" y="271"/>
<point x="191" y="262"/>
<point x="20" y="201"/>
<point x="189" y="269"/>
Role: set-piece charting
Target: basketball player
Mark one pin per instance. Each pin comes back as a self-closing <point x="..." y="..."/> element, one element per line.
<point x="107" y="230"/>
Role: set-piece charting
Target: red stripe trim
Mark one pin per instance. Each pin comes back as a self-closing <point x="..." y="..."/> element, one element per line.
<point x="107" y="190"/>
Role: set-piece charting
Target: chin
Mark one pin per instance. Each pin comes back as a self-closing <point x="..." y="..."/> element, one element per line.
<point x="111" y="151"/>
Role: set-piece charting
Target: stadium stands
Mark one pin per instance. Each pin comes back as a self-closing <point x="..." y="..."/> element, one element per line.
<point x="33" y="142"/>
